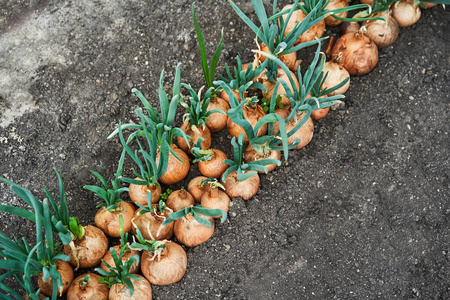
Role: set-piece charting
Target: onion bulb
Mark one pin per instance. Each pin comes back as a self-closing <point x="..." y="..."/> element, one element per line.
<point x="348" y="27"/>
<point x="135" y="267"/>
<point x="138" y="193"/>
<point x="166" y="266"/>
<point x="217" y="121"/>
<point x="382" y="33"/>
<point x="290" y="60"/>
<point x="180" y="199"/>
<point x="406" y="13"/>
<point x="304" y="133"/>
<point x="245" y="189"/>
<point x="281" y="91"/>
<point x="195" y="132"/>
<point x="357" y="52"/>
<point x="336" y="74"/>
<point x="142" y="290"/>
<point x="89" y="251"/>
<point x="150" y="225"/>
<point x="109" y="221"/>
<point x="252" y="113"/>
<point x="215" y="198"/>
<point x="197" y="187"/>
<point x="336" y="4"/>
<point x="251" y="155"/>
<point x="89" y="289"/>
<point x="191" y="233"/>
<point x="215" y="166"/>
<point x="310" y="34"/>
<point x="176" y="169"/>
<point x="429" y="5"/>
<point x="66" y="272"/>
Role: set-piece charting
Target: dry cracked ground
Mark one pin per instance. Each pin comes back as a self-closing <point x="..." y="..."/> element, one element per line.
<point x="362" y="212"/>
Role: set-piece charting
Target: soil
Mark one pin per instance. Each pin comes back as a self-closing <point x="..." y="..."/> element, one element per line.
<point x="362" y="212"/>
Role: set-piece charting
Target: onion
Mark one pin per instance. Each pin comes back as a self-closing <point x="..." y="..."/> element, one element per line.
<point x="176" y="170"/>
<point x="135" y="267"/>
<point x="109" y="221"/>
<point x="225" y="96"/>
<point x="195" y="132"/>
<point x="252" y="115"/>
<point x="336" y="4"/>
<point x="281" y="90"/>
<point x="165" y="267"/>
<point x="217" y="121"/>
<point x="245" y="189"/>
<point x="336" y="74"/>
<point x="150" y="225"/>
<point x="366" y="2"/>
<point x="191" y="233"/>
<point x="138" y="193"/>
<point x="180" y="199"/>
<point x="406" y="13"/>
<point x="66" y="272"/>
<point x="216" y="198"/>
<point x="215" y="166"/>
<point x="348" y="27"/>
<point x="92" y="289"/>
<point x="290" y="60"/>
<point x="319" y="113"/>
<point x="357" y="52"/>
<point x="380" y="32"/>
<point x="196" y="187"/>
<point x="142" y="290"/>
<point x="305" y="132"/>
<point x="251" y="155"/>
<point x="89" y="251"/>
<point x="310" y="34"/>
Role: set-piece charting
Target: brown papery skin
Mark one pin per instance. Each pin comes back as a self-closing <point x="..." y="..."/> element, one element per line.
<point x="202" y="132"/>
<point x="176" y="170"/>
<point x="66" y="272"/>
<point x="216" y="198"/>
<point x="180" y="199"/>
<point x="318" y="113"/>
<point x="382" y="33"/>
<point x="281" y="90"/>
<point x="252" y="115"/>
<point x="358" y="53"/>
<point x="304" y="133"/>
<point x="150" y="225"/>
<point x="90" y="250"/>
<point x="195" y="190"/>
<point x="366" y="2"/>
<point x="109" y="221"/>
<point x="348" y="27"/>
<point x="214" y="167"/>
<point x="191" y="233"/>
<point x="336" y="4"/>
<point x="245" y="189"/>
<point x="167" y="268"/>
<point x="405" y="13"/>
<point x="138" y="193"/>
<point x="251" y="155"/>
<point x="290" y="60"/>
<point x="336" y="74"/>
<point x="93" y="290"/>
<point x="217" y="121"/>
<point x="142" y="290"/>
<point x="225" y="97"/>
<point x="135" y="267"/>
<point x="310" y="34"/>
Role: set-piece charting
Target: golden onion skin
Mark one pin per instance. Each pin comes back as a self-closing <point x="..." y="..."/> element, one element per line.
<point x="405" y="13"/>
<point x="67" y="275"/>
<point x="382" y="33"/>
<point x="245" y="189"/>
<point x="357" y="53"/>
<point x="93" y="290"/>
